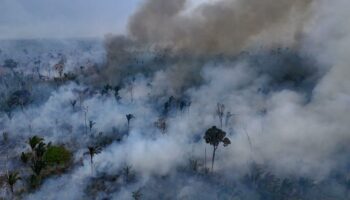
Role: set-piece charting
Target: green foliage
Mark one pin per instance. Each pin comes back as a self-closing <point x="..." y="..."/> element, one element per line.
<point x="37" y="166"/>
<point x="40" y="150"/>
<point x="25" y="157"/>
<point x="57" y="155"/>
<point x="12" y="178"/>
<point x="41" y="156"/>
<point x="34" y="141"/>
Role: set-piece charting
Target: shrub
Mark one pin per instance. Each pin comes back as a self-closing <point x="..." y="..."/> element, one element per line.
<point x="57" y="155"/>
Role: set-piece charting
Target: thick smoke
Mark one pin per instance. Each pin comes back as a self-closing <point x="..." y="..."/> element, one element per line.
<point x="179" y="40"/>
<point x="224" y="26"/>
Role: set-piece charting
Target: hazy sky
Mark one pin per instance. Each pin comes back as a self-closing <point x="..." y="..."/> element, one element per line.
<point x="64" y="18"/>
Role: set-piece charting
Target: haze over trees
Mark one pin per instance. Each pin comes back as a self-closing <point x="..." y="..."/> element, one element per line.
<point x="242" y="100"/>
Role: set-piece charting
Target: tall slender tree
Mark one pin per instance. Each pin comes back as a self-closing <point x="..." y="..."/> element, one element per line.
<point x="129" y="117"/>
<point x="73" y="103"/>
<point x="214" y="137"/>
<point x="220" y="110"/>
<point x="92" y="151"/>
<point x="5" y="139"/>
<point x="85" y="110"/>
<point x="91" y="125"/>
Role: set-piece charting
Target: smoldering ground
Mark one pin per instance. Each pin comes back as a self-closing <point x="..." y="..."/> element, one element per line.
<point x="280" y="69"/>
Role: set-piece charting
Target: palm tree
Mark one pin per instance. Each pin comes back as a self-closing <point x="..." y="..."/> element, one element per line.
<point x="38" y="166"/>
<point x="129" y="117"/>
<point x="128" y="173"/>
<point x="92" y="152"/>
<point x="25" y="157"/>
<point x="40" y="150"/>
<point x="12" y="178"/>
<point x="37" y="146"/>
<point x="220" y="112"/>
<point x="34" y="141"/>
<point x="136" y="195"/>
<point x="214" y="137"/>
<point x="73" y="103"/>
<point x="91" y="125"/>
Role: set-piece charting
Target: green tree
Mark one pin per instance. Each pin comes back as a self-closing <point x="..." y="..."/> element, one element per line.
<point x="25" y="157"/>
<point x="40" y="150"/>
<point x="38" y="166"/>
<point x="214" y="137"/>
<point x="12" y="179"/>
<point x="34" y="141"/>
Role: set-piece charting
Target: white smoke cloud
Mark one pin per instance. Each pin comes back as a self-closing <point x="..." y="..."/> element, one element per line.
<point x="291" y="131"/>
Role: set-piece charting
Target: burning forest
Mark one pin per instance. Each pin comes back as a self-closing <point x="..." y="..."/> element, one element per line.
<point x="196" y="99"/>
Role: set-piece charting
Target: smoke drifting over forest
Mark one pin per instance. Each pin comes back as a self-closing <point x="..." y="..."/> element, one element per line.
<point x="272" y="74"/>
<point x="221" y="26"/>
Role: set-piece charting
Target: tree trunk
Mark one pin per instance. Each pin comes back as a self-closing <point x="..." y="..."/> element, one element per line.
<point x="85" y="123"/>
<point x="11" y="188"/>
<point x="205" y="158"/>
<point x="7" y="158"/>
<point x="92" y="162"/>
<point x="213" y="158"/>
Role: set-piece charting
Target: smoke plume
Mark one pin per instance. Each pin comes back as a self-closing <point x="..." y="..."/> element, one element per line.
<point x="220" y="27"/>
